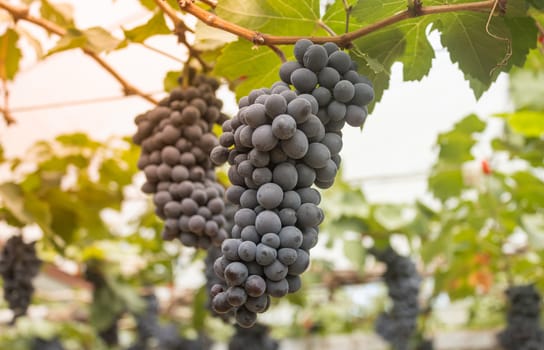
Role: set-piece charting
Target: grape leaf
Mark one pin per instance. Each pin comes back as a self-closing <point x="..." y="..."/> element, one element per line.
<point x="211" y="38"/>
<point x="156" y="25"/>
<point x="526" y="122"/>
<point x="10" y="55"/>
<point x="384" y="46"/>
<point x="280" y="17"/>
<point x="446" y="183"/>
<point x="404" y="42"/>
<point x="100" y="40"/>
<point x="61" y="14"/>
<point x="171" y="80"/>
<point x="481" y="53"/>
<point x="252" y="66"/>
<point x="527" y="89"/>
<point x="335" y="17"/>
<point x="95" y="39"/>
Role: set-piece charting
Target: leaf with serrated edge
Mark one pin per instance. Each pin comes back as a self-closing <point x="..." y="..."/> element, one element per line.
<point x="254" y="66"/>
<point x="279" y="17"/>
<point x="156" y="25"/>
<point x="384" y="46"/>
<point x="99" y="40"/>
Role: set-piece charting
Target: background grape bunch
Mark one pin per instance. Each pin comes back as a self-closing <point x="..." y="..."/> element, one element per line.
<point x="254" y="338"/>
<point x="523" y="331"/>
<point x="399" y="324"/>
<point x="176" y="139"/>
<point x="280" y="143"/>
<point x="18" y="266"/>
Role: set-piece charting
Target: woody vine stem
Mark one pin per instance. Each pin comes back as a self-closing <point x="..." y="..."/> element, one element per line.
<point x="343" y="40"/>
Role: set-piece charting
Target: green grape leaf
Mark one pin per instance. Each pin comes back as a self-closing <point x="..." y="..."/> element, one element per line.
<point x="209" y="38"/>
<point x="470" y="124"/>
<point x="524" y="33"/>
<point x="527" y="122"/>
<point x="482" y="53"/>
<point x="534" y="226"/>
<point x="171" y="80"/>
<point x="386" y="47"/>
<point x="527" y="89"/>
<point x="199" y="309"/>
<point x="148" y="4"/>
<point x="355" y="252"/>
<point x="59" y="13"/>
<point x="72" y="39"/>
<point x="418" y="53"/>
<point x="251" y="66"/>
<point x="156" y="25"/>
<point x="538" y="4"/>
<point x="100" y="40"/>
<point x="10" y="55"/>
<point x="13" y="199"/>
<point x="529" y="191"/>
<point x="390" y="217"/>
<point x="446" y="183"/>
<point x="95" y="39"/>
<point x="274" y="17"/>
<point x="476" y="52"/>
<point x="335" y="17"/>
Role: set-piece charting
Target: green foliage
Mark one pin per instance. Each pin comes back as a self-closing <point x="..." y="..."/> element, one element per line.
<point x="61" y="14"/>
<point x="95" y="39"/>
<point x="10" y="55"/>
<point x="156" y="25"/>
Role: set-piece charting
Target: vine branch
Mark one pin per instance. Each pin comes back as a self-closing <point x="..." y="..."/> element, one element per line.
<point x="22" y="13"/>
<point x="8" y="118"/>
<point x="343" y="40"/>
<point x="180" y="29"/>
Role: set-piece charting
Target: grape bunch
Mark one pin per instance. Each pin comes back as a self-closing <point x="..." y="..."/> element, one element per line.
<point x="256" y="337"/>
<point x="45" y="344"/>
<point x="18" y="266"/>
<point x="523" y="331"/>
<point x="399" y="324"/>
<point x="153" y="335"/>
<point x="280" y="143"/>
<point x="212" y="279"/>
<point x="176" y="139"/>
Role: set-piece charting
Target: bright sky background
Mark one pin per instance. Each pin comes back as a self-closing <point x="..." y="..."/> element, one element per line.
<point x="397" y="138"/>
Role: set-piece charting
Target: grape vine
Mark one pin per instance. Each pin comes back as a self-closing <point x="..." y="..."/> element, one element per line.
<point x="281" y="142"/>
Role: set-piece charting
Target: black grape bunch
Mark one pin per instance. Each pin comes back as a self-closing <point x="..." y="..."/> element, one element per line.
<point x="176" y="139"/>
<point x="255" y="338"/>
<point x="46" y="344"/>
<point x="280" y="143"/>
<point x="151" y="334"/>
<point x="523" y="330"/>
<point x="19" y="265"/>
<point x="399" y="324"/>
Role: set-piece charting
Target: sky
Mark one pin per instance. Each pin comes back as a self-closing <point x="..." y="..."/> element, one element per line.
<point x="389" y="157"/>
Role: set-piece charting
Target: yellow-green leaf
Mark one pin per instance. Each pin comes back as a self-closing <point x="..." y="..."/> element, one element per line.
<point x="10" y="55"/>
<point x="155" y="26"/>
